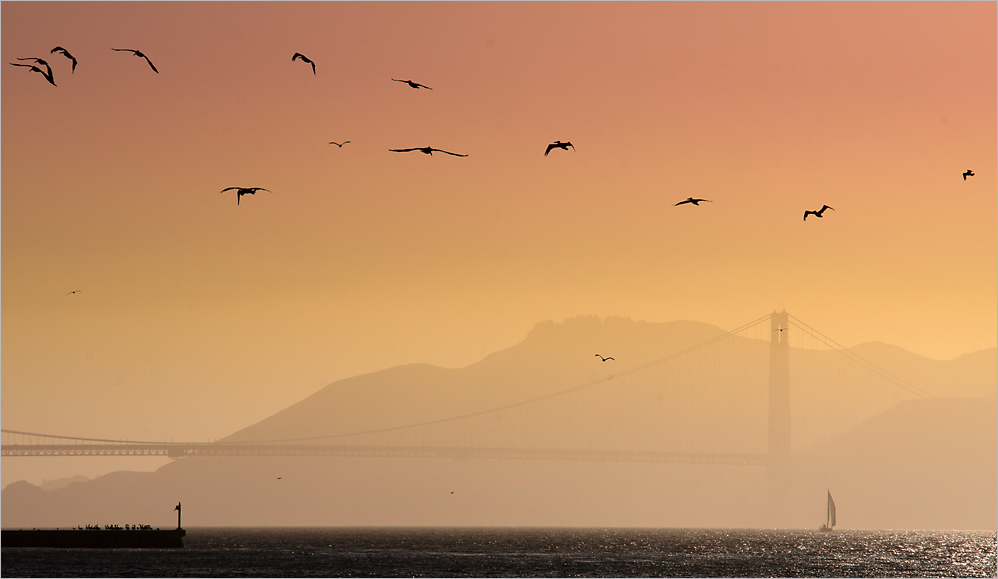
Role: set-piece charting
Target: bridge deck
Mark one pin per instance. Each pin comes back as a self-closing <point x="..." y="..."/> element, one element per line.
<point x="175" y="450"/>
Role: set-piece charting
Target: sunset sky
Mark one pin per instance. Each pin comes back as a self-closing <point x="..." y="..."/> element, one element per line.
<point x="196" y="316"/>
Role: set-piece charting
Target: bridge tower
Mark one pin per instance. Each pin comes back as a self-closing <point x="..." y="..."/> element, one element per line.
<point x="779" y="466"/>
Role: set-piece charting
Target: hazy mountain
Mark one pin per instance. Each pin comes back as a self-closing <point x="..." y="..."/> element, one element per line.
<point x="552" y="358"/>
<point x="890" y="461"/>
<point x="51" y="485"/>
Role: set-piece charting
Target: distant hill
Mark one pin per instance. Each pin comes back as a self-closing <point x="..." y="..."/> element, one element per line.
<point x="929" y="463"/>
<point x="51" y="485"/>
<point x="890" y="460"/>
<point x="553" y="357"/>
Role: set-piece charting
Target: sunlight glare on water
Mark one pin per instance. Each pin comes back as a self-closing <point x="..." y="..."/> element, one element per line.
<point x="485" y="552"/>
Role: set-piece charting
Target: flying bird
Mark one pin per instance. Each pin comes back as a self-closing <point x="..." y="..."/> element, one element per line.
<point x="74" y="292"/>
<point x="427" y="150"/>
<point x="340" y="145"/>
<point x="240" y="191"/>
<point x="303" y="59"/>
<point x="693" y="201"/>
<point x="41" y="62"/>
<point x="604" y="359"/>
<point x="969" y="173"/>
<point x="413" y="84"/>
<point x="817" y="213"/>
<point x="558" y="145"/>
<point x="139" y="54"/>
<point x="64" y="52"/>
<point x="33" y="68"/>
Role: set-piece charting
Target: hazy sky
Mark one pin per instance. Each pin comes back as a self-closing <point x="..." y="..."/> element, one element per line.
<point x="197" y="317"/>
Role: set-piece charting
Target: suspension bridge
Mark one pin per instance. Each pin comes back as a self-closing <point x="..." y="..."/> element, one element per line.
<point x="726" y="400"/>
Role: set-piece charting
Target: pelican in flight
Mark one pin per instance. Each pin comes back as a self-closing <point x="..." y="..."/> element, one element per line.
<point x="427" y="150"/>
<point x="303" y="58"/>
<point x="817" y="213"/>
<point x="969" y="173"/>
<point x="340" y="145"/>
<point x="240" y="191"/>
<point x="139" y="54"/>
<point x="413" y="84"/>
<point x="604" y="359"/>
<point x="64" y="52"/>
<point x="33" y="68"/>
<point x="558" y="145"/>
<point x="40" y="62"/>
<point x="693" y="201"/>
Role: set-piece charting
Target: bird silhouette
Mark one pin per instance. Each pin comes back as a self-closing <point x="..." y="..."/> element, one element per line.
<point x="139" y="54"/>
<point x="240" y="191"/>
<point x="64" y="52"/>
<point x="427" y="150"/>
<point x="604" y="359"/>
<point x="303" y="58"/>
<point x="340" y="145"/>
<point x="413" y="84"/>
<point x="558" y="145"/>
<point x="969" y="173"/>
<point x="33" y="68"/>
<point x="693" y="201"/>
<point x="41" y="62"/>
<point x="74" y="292"/>
<point x="817" y="213"/>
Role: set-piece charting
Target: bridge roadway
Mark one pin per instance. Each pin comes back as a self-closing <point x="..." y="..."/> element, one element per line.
<point x="178" y="450"/>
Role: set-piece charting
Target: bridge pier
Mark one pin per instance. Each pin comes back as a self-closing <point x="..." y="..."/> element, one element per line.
<point x="779" y="468"/>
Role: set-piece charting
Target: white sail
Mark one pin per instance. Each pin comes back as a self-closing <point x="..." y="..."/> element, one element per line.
<point x="831" y="511"/>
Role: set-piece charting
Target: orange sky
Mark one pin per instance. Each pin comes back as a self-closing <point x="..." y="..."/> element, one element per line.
<point x="198" y="317"/>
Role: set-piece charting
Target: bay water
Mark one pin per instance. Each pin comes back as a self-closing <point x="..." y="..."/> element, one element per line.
<point x="527" y="552"/>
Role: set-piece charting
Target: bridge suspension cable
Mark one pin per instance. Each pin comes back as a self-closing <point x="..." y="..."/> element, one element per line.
<point x="857" y="359"/>
<point x="84" y="439"/>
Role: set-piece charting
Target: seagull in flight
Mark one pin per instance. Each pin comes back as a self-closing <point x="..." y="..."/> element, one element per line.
<point x="240" y="191"/>
<point x="558" y="145"/>
<point x="693" y="201"/>
<point x="340" y="145"/>
<point x="427" y="150"/>
<point x="604" y="359"/>
<point x="413" y="84"/>
<point x="139" y="54"/>
<point x="64" y="52"/>
<point x="303" y="59"/>
<point x="33" y="68"/>
<point x="969" y="173"/>
<point x="817" y="213"/>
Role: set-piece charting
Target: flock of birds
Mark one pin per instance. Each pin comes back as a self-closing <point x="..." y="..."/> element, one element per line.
<point x="240" y="191"/>
<point x="47" y="73"/>
<point x="37" y="63"/>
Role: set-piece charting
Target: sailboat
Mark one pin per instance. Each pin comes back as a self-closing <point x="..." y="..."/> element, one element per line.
<point x="830" y="517"/>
